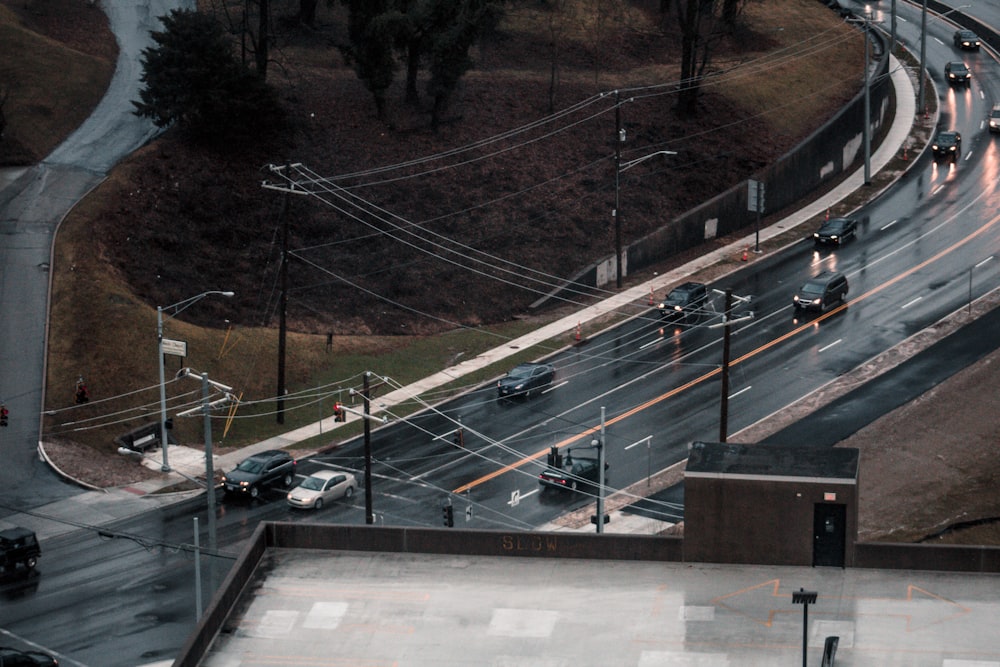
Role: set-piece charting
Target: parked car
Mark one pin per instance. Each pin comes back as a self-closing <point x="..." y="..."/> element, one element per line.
<point x="994" y="119"/>
<point x="967" y="40"/>
<point x="821" y="291"/>
<point x="525" y="379"/>
<point x="957" y="72"/>
<point x="947" y="145"/>
<point x="581" y="471"/>
<point x="322" y="487"/>
<point x="11" y="657"/>
<point x="259" y="471"/>
<point x="684" y="302"/>
<point x="18" y="548"/>
<point x="835" y="231"/>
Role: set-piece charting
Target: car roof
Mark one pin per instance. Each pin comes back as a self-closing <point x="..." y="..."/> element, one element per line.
<point x="268" y="454"/>
<point x="15" y="533"/>
<point x="947" y="134"/>
<point x="965" y="32"/>
<point x="837" y="221"/>
<point x="688" y="286"/>
<point x="326" y="474"/>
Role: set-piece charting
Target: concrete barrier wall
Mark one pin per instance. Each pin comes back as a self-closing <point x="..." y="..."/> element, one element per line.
<point x="830" y="151"/>
<point x="972" y="559"/>
<point x="224" y="600"/>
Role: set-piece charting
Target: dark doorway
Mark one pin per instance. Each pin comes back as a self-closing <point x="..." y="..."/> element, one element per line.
<point x="829" y="531"/>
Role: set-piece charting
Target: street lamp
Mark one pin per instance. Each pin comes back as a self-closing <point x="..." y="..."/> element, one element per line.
<point x="619" y="168"/>
<point x="177" y="308"/>
<point x="804" y="598"/>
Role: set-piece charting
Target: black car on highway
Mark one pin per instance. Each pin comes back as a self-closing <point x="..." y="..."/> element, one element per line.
<point x="967" y="40"/>
<point x="957" y="73"/>
<point x="525" y="379"/>
<point x="580" y="472"/>
<point x="259" y="471"/>
<point x="947" y="145"/>
<point x="684" y="302"/>
<point x="18" y="548"/>
<point x="835" y="231"/>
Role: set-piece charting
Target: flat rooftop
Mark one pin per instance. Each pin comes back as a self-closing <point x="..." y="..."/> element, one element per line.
<point x="325" y="608"/>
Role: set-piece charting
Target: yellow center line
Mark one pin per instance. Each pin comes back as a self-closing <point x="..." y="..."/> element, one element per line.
<point x="702" y="378"/>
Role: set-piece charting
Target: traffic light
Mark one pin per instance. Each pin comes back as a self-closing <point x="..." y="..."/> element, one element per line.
<point x="555" y="459"/>
<point x="448" y="513"/>
<point x="339" y="414"/>
<point x="3" y="415"/>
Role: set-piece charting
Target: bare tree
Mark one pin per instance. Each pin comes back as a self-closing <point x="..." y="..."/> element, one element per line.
<point x="697" y="21"/>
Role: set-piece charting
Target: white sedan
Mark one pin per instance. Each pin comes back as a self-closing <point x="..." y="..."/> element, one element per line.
<point x="322" y="486"/>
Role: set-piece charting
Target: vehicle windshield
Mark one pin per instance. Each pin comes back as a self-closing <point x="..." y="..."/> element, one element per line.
<point x="251" y="466"/>
<point x="811" y="289"/>
<point x="312" y="483"/>
<point x="520" y="372"/>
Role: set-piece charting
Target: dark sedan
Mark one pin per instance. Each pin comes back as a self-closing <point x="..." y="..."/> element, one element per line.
<point x="581" y="472"/>
<point x="835" y="231"/>
<point x="947" y="145"/>
<point x="958" y="73"/>
<point x="525" y="379"/>
<point x="966" y="39"/>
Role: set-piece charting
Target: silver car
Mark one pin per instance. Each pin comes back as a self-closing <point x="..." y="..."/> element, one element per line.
<point x="321" y="487"/>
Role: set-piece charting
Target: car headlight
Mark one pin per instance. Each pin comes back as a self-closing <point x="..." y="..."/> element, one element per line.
<point x="244" y="483"/>
<point x="661" y="305"/>
<point x="934" y="147"/>
<point x="833" y="237"/>
<point x="678" y="309"/>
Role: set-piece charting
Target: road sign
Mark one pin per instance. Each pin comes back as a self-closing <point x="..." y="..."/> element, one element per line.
<point x="178" y="348"/>
<point x="755" y="196"/>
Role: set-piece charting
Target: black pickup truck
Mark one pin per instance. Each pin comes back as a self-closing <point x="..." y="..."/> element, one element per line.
<point x="18" y="546"/>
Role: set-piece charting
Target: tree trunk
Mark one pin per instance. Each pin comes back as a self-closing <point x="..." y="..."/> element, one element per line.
<point x="412" y="70"/>
<point x="263" y="30"/>
<point x="688" y="15"/>
<point x="307" y="12"/>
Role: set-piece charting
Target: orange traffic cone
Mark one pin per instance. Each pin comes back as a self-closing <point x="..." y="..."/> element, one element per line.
<point x="827" y="214"/>
<point x="905" y="156"/>
<point x="578" y="331"/>
<point x="745" y="251"/>
<point x="651" y="296"/>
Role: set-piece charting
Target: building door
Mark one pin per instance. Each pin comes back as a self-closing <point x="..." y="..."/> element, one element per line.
<point x="829" y="531"/>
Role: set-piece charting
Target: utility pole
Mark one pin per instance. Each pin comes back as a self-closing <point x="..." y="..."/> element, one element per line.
<point x="727" y="323"/>
<point x="619" y="139"/>
<point x="282" y="308"/>
<point x="366" y="394"/>
<point x="600" y="477"/>
<point x="923" y="58"/>
<point x="868" y="113"/>
<point x="724" y="416"/>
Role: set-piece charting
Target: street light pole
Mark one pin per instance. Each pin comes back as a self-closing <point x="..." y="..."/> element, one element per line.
<point x="867" y="128"/>
<point x="619" y="140"/>
<point x="178" y="307"/>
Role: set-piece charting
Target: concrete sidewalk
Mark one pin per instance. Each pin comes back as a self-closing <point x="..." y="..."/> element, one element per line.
<point x="102" y="506"/>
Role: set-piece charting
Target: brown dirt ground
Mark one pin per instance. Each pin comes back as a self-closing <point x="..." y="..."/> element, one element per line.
<point x="926" y="466"/>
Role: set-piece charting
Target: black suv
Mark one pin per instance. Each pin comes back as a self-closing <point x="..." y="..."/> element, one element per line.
<point x="958" y="73"/>
<point x="684" y="302"/>
<point x="260" y="470"/>
<point x="18" y="546"/>
<point x="966" y="39"/>
<point x="581" y="471"/>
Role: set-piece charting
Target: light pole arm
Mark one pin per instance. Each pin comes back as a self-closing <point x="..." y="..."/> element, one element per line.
<point x="632" y="163"/>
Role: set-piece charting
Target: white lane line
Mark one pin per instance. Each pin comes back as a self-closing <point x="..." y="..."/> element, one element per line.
<point x="827" y="347"/>
<point x="910" y="303"/>
<point x="744" y="389"/>
<point x="888" y="225"/>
